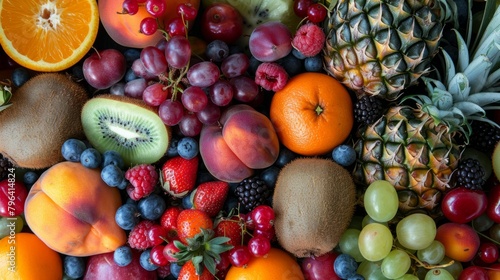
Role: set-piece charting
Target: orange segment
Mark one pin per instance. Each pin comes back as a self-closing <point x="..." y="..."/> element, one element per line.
<point x="48" y="35"/>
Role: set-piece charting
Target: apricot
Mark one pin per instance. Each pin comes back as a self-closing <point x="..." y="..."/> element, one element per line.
<point x="461" y="242"/>
<point x="73" y="211"/>
<point x="246" y="140"/>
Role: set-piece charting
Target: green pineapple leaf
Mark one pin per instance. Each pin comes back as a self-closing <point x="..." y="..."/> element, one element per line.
<point x="459" y="87"/>
<point x="492" y="81"/>
<point x="477" y="72"/>
<point x="484" y="98"/>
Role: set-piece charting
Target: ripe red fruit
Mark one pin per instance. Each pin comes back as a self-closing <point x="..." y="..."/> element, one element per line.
<point x="190" y="222"/>
<point x="462" y="205"/>
<point x="179" y="175"/>
<point x="13" y="195"/>
<point x="210" y="197"/>
<point x="271" y="76"/>
<point x="221" y="22"/>
<point x="493" y="209"/>
<point x="168" y="221"/>
<point x="309" y="39"/>
<point x="143" y="179"/>
<point x="232" y="228"/>
<point x="138" y="236"/>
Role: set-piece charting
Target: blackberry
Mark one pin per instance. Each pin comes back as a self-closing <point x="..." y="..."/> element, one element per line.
<point x="368" y="109"/>
<point x="5" y="164"/>
<point x="252" y="192"/>
<point x="470" y="174"/>
<point x="484" y="136"/>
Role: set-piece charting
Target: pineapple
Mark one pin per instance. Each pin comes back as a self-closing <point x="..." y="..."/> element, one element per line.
<point x="380" y="47"/>
<point x="417" y="146"/>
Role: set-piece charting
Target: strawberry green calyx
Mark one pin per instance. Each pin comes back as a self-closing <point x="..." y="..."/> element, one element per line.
<point x="203" y="250"/>
<point x="5" y="95"/>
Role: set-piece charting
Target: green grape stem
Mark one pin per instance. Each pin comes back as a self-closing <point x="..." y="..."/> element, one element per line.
<point x="424" y="264"/>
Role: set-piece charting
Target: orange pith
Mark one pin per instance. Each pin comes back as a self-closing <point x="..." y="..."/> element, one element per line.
<point x="48" y="35"/>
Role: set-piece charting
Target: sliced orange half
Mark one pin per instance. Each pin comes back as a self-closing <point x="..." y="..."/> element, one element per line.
<point x="48" y="35"/>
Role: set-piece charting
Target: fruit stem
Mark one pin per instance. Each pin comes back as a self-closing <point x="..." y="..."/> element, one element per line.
<point x="97" y="52"/>
<point x="318" y="110"/>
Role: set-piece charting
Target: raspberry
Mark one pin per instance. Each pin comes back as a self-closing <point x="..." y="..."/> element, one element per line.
<point x="143" y="179"/>
<point x="271" y="76"/>
<point x="138" y="236"/>
<point x="309" y="39"/>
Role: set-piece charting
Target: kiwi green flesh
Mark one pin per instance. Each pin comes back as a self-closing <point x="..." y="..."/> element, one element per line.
<point x="314" y="201"/>
<point x="135" y="132"/>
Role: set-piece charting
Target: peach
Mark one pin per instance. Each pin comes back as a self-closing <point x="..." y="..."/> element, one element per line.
<point x="73" y="211"/>
<point x="246" y="140"/>
<point x="461" y="242"/>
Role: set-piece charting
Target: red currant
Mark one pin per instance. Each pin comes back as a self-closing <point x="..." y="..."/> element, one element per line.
<point x="175" y="27"/>
<point x="259" y="246"/>
<point x="488" y="252"/>
<point x="130" y="7"/>
<point x="300" y="7"/>
<point x="247" y="219"/>
<point x="169" y="252"/>
<point x="156" y="8"/>
<point x="188" y="11"/>
<point x="269" y="234"/>
<point x="316" y="13"/>
<point x="263" y="217"/>
<point x="149" y="26"/>
<point x="239" y="256"/>
<point x="157" y="234"/>
<point x="223" y="264"/>
<point x="157" y="257"/>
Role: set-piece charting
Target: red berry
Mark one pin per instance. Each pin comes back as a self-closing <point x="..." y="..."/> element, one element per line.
<point x="168" y="220"/>
<point x="130" y="7"/>
<point x="148" y="26"/>
<point x="169" y="252"/>
<point x="271" y="76"/>
<point x="316" y="13"/>
<point x="157" y="234"/>
<point x="156" y="8"/>
<point x="143" y="179"/>
<point x="309" y="39"/>
<point x="300" y="7"/>
<point x="187" y="10"/>
<point x="488" y="252"/>
<point x="263" y="217"/>
<point x="269" y="234"/>
<point x="157" y="257"/>
<point x="259" y="246"/>
<point x="175" y="27"/>
<point x="239" y="256"/>
<point x="138" y="236"/>
<point x="13" y="194"/>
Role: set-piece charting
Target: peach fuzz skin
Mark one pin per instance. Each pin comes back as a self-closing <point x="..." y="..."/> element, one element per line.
<point x="72" y="210"/>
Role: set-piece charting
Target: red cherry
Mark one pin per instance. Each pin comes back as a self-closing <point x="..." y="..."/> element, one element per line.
<point x="316" y="13"/>
<point x="488" y="252"/>
<point x="13" y="196"/>
<point x="462" y="205"/>
<point x="263" y="217"/>
<point x="300" y="7"/>
<point x="169" y="251"/>
<point x="148" y="26"/>
<point x="493" y="208"/>
<point x="259" y="246"/>
<point x="157" y="257"/>
<point x="157" y="234"/>
<point x="239" y="256"/>
<point x="156" y="8"/>
<point x="175" y="27"/>
<point x="130" y="7"/>
<point x="473" y="273"/>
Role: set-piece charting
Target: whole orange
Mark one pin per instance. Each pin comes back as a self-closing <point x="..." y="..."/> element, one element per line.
<point x="24" y="256"/>
<point x="277" y="265"/>
<point x="312" y="114"/>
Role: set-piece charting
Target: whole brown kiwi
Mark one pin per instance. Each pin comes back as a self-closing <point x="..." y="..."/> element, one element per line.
<point x="45" y="112"/>
<point x="314" y="201"/>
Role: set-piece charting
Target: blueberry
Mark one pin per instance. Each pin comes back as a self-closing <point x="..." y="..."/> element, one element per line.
<point x="123" y="185"/>
<point x="188" y="148"/>
<point x="172" y="148"/>
<point x="344" y="155"/>
<point x="270" y="175"/>
<point x="127" y="216"/>
<point x="145" y="261"/>
<point x="112" y="157"/>
<point x="292" y="65"/>
<point x="123" y="255"/>
<point x="72" y="149"/>
<point x="77" y="71"/>
<point x="175" y="269"/>
<point x="152" y="206"/>
<point x="129" y="75"/>
<point x="74" y="267"/>
<point x="313" y="63"/>
<point x="298" y="54"/>
<point x="131" y="55"/>
<point x="285" y="156"/>
<point x="20" y="76"/>
<point x="30" y="177"/>
<point x="217" y="50"/>
<point x="112" y="175"/>
<point x="345" y="266"/>
<point x="186" y="202"/>
<point x="91" y="158"/>
<point x="117" y="89"/>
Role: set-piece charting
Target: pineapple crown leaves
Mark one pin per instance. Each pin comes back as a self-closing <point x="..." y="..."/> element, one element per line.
<point x="203" y="250"/>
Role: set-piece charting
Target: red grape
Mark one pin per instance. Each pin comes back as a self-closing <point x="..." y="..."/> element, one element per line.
<point x="171" y="112"/>
<point x="259" y="246"/>
<point x="245" y="88"/>
<point x="135" y="88"/>
<point x="194" y="99"/>
<point x="178" y="52"/>
<point x="140" y="71"/>
<point x="210" y="114"/>
<point x="155" y="94"/>
<point x="203" y="74"/>
<point x="300" y="7"/>
<point x="235" y="65"/>
<point x="154" y="60"/>
<point x="221" y="93"/>
<point x="190" y="125"/>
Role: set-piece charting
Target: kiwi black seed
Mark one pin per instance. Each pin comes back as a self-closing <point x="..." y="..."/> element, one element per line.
<point x="45" y="112"/>
<point x="127" y="126"/>
<point x="314" y="201"/>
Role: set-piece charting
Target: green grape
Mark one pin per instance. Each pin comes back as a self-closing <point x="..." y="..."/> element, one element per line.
<point x="348" y="244"/>
<point x="482" y="223"/>
<point x="454" y="268"/>
<point x="409" y="251"/>
<point x="416" y="231"/>
<point x="432" y="254"/>
<point x="381" y="201"/>
<point x="408" y="277"/>
<point x="438" y="274"/>
<point x="375" y="241"/>
<point x="368" y="220"/>
<point x="396" y="264"/>
<point x="371" y="270"/>
<point x="8" y="224"/>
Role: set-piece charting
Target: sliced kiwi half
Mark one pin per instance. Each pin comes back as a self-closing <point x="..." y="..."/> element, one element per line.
<point x="255" y="12"/>
<point x="127" y="126"/>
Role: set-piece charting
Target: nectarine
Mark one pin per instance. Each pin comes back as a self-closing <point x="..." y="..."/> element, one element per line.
<point x="460" y="241"/>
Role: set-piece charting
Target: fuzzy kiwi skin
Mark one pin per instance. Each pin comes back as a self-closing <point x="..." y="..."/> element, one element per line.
<point x="314" y="200"/>
<point x="45" y="112"/>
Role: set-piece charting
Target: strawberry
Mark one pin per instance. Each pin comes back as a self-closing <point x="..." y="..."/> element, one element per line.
<point x="178" y="175"/>
<point x="190" y="222"/>
<point x="210" y="197"/>
<point x="143" y="179"/>
<point x="138" y="236"/>
<point x="232" y="228"/>
<point x="168" y="220"/>
<point x="188" y="272"/>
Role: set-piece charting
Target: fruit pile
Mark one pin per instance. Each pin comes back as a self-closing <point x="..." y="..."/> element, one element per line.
<point x="259" y="139"/>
